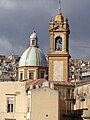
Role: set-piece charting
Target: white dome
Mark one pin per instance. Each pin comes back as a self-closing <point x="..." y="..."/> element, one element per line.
<point x="33" y="36"/>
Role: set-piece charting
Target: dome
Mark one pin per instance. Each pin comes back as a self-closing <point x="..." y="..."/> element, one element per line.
<point x="33" y="36"/>
<point x="33" y="56"/>
<point x="59" y="18"/>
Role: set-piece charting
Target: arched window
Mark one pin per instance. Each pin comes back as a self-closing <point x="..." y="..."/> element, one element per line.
<point x="58" y="43"/>
<point x="33" y="42"/>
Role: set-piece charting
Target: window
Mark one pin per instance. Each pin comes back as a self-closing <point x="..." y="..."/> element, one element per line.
<point x="10" y="104"/>
<point x="34" y="86"/>
<point x="42" y="74"/>
<point x="31" y="75"/>
<point x="21" y="76"/>
<point x="33" y="42"/>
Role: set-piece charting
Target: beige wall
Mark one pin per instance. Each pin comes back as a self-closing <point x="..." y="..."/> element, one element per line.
<point x="86" y="115"/>
<point x="82" y="96"/>
<point x="58" y="68"/>
<point x="36" y="70"/>
<point x="65" y="94"/>
<point x="16" y="90"/>
<point x="57" y="71"/>
<point x="44" y="104"/>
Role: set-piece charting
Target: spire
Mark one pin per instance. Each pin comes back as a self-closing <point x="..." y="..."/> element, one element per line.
<point x="59" y="9"/>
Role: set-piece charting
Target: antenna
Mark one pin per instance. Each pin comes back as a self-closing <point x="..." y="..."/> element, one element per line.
<point x="59" y="9"/>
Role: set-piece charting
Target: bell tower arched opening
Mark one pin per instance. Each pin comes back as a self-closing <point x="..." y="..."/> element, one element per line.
<point x="58" y="43"/>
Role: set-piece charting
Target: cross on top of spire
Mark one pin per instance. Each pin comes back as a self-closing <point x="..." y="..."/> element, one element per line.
<point x="59" y="9"/>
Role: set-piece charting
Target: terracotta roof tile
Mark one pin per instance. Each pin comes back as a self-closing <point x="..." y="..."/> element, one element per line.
<point x="28" y="83"/>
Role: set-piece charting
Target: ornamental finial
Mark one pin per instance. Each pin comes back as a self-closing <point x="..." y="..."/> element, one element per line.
<point x="59" y="9"/>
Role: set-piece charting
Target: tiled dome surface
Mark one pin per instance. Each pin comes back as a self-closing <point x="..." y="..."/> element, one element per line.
<point x="33" y="56"/>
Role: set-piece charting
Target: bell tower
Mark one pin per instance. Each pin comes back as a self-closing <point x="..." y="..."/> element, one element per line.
<point x="58" y="55"/>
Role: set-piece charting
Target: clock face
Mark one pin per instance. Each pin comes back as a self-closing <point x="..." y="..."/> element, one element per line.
<point x="58" y="45"/>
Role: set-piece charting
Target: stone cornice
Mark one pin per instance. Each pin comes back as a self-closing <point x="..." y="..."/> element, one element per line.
<point x="58" y="54"/>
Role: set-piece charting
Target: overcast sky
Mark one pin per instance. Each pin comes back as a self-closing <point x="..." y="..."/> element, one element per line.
<point x="18" y="18"/>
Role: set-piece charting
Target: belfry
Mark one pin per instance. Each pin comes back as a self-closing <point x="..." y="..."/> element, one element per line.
<point x="58" y="56"/>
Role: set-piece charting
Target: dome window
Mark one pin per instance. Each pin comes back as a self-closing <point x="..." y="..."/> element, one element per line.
<point x="31" y="75"/>
<point x="33" y="42"/>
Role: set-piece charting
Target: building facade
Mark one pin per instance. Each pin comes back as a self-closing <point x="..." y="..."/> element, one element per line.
<point x="13" y="101"/>
<point x="44" y="104"/>
<point x="58" y="56"/>
<point x="82" y="98"/>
